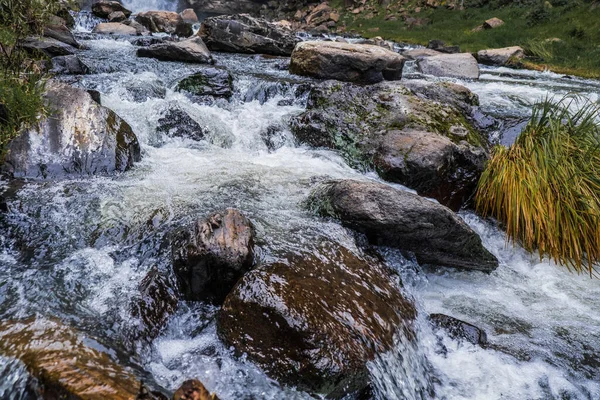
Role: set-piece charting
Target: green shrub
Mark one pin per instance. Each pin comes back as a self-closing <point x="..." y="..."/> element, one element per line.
<point x="545" y="188"/>
<point x="21" y="81"/>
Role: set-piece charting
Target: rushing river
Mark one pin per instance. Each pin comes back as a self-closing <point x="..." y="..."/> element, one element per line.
<point x="78" y="249"/>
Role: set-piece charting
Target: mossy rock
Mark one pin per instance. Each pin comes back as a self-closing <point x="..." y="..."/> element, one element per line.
<point x="420" y="137"/>
<point x="208" y="82"/>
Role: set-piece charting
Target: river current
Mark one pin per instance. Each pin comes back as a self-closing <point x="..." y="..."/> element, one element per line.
<point x="77" y="249"/>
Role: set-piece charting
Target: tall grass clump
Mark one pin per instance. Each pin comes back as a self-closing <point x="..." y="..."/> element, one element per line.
<point x="545" y="188"/>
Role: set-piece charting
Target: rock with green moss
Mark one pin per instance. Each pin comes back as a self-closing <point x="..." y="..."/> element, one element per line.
<point x="208" y="82"/>
<point x="396" y="218"/>
<point x="79" y="137"/>
<point x="422" y="139"/>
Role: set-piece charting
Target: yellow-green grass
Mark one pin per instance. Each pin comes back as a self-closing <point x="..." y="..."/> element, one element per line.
<point x="576" y="25"/>
<point x="545" y="188"/>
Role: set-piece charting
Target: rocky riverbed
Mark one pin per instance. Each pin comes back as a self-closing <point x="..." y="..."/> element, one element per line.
<point x="208" y="207"/>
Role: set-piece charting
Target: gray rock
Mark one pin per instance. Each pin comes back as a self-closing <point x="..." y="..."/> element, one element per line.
<point x="245" y="34"/>
<point x="458" y="329"/>
<point x="314" y="320"/>
<point x="346" y="62"/>
<point x="208" y="82"/>
<point x="417" y="54"/>
<point x="165" y="21"/>
<point x="502" y="57"/>
<point x="69" y="65"/>
<point x="210" y="256"/>
<point x="61" y="33"/>
<point x="461" y="65"/>
<point x="78" y="138"/>
<point x="103" y="8"/>
<point x="177" y="123"/>
<point x="427" y="145"/>
<point x="396" y="218"/>
<point x="48" y="46"/>
<point x="189" y="50"/>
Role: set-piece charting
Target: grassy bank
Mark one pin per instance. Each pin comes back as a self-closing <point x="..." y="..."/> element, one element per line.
<point x="564" y="38"/>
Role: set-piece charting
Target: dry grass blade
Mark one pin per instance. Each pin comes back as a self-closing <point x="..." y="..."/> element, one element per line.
<point x="545" y="188"/>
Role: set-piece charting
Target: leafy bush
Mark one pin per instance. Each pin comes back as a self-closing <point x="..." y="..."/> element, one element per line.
<point x="538" y="14"/>
<point x="21" y="82"/>
<point x="545" y="188"/>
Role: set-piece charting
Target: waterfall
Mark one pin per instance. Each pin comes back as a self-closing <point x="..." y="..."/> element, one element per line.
<point x="146" y="5"/>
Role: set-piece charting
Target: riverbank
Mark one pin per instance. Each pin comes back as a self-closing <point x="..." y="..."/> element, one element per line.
<point x="560" y="38"/>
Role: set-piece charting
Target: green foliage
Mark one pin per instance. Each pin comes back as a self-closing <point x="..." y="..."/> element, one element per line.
<point x="576" y="24"/>
<point x="540" y="13"/>
<point x="21" y="81"/>
<point x="545" y="188"/>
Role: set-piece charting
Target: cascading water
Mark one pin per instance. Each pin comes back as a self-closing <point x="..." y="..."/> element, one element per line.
<point x="78" y="249"/>
<point x="147" y="5"/>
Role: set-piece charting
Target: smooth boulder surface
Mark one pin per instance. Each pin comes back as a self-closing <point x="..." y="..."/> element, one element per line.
<point x="208" y="82"/>
<point x="61" y="33"/>
<point x="103" y="9"/>
<point x="189" y="16"/>
<point x="66" y="363"/>
<point x="79" y="137"/>
<point x="313" y="320"/>
<point x="243" y="33"/>
<point x="417" y="54"/>
<point x="189" y="50"/>
<point x="165" y="21"/>
<point x="502" y="57"/>
<point x="460" y="65"/>
<point x="48" y="46"/>
<point x="403" y="220"/>
<point x="210" y="256"/>
<point x="346" y="62"/>
<point x="69" y="65"/>
<point x="425" y="143"/>
<point x="117" y="16"/>
<point x="175" y="122"/>
<point x="114" y="28"/>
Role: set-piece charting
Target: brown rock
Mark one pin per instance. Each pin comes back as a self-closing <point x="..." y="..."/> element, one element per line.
<point x="493" y="23"/>
<point x="114" y="28"/>
<point x="67" y="364"/>
<point x="211" y="255"/>
<point x="117" y="16"/>
<point x="189" y="50"/>
<point x="193" y="390"/>
<point x="315" y="319"/>
<point x="165" y="21"/>
<point x="103" y="9"/>
<point x="189" y="16"/>
<point x="503" y="56"/>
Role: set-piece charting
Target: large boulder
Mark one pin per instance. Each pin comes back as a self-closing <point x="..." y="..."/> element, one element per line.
<point x="315" y="320"/>
<point x="243" y="33"/>
<point x="103" y="8"/>
<point x="65" y="363"/>
<point x="189" y="50"/>
<point x="78" y="137"/>
<point x="210" y="256"/>
<point x="460" y="65"/>
<point x="504" y="56"/>
<point x="208" y="82"/>
<point x="427" y="144"/>
<point x="165" y="21"/>
<point x="397" y="218"/>
<point x="189" y="16"/>
<point x="346" y="62"/>
<point x="114" y="28"/>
